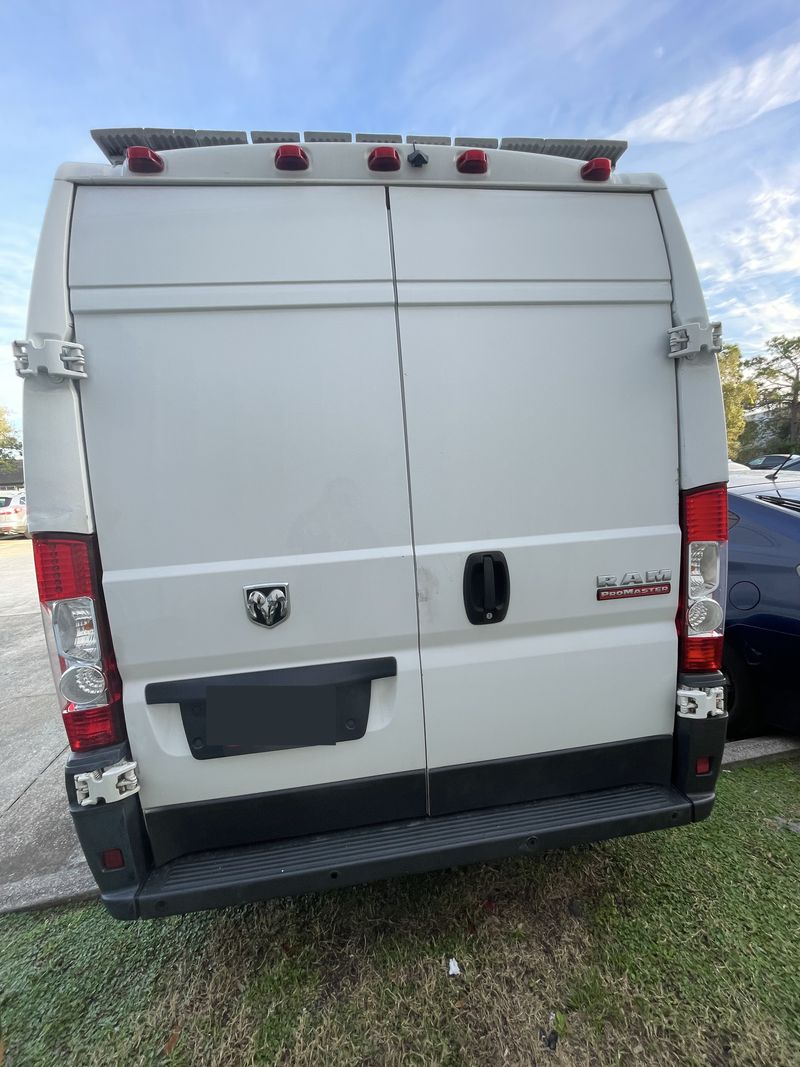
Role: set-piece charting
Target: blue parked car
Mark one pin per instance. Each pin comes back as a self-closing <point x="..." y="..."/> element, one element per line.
<point x="762" y="632"/>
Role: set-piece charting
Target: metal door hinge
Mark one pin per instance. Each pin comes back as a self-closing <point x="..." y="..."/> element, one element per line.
<point x="695" y="339"/>
<point x="701" y="703"/>
<point x="107" y="785"/>
<point x="57" y="359"/>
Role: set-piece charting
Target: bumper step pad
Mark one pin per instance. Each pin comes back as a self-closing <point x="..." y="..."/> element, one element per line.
<point x="279" y="868"/>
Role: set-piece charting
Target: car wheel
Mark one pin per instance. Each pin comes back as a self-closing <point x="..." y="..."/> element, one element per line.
<point x="741" y="694"/>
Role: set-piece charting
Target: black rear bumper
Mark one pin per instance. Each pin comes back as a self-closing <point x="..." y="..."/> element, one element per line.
<point x="349" y="857"/>
<point x="343" y="857"/>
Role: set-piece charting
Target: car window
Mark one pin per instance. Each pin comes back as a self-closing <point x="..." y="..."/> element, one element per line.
<point x="22" y="499"/>
<point x="5" y="501"/>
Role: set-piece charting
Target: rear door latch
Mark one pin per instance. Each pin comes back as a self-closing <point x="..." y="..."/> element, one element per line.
<point x="107" y="785"/>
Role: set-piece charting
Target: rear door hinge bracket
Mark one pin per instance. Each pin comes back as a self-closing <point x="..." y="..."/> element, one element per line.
<point x="57" y="359"/>
<point x="695" y="339"/>
<point x="701" y="703"/>
<point x="107" y="785"/>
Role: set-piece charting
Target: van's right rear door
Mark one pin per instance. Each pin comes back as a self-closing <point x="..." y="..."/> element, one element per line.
<point x="542" y="428"/>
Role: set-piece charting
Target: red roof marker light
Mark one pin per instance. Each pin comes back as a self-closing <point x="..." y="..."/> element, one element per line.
<point x="143" y="160"/>
<point x="291" y="157"/>
<point x="384" y="158"/>
<point x="596" y="170"/>
<point x="473" y="161"/>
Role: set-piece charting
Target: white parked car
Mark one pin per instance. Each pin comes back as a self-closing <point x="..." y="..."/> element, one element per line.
<point x="13" y="513"/>
<point x="404" y="642"/>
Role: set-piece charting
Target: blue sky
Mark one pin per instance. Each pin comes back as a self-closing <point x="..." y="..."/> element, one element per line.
<point x="708" y="95"/>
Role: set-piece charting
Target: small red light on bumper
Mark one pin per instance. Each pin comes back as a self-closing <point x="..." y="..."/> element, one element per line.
<point x="112" y="859"/>
<point x="703" y="765"/>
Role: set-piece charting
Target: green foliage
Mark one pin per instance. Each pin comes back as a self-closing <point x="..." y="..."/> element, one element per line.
<point x="776" y="375"/>
<point x="738" y="394"/>
<point x="10" y="444"/>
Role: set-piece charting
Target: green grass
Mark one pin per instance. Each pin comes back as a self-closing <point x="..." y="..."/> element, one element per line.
<point x="675" y="948"/>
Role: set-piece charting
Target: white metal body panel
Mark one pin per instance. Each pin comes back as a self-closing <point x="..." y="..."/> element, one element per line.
<point x="545" y="429"/>
<point x="494" y="235"/>
<point x="243" y="439"/>
<point x="703" y="444"/>
<point x="55" y="466"/>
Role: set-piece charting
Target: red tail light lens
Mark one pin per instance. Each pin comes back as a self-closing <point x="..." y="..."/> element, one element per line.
<point x="705" y="514"/>
<point x="291" y="157"/>
<point x="78" y="639"/>
<point x="473" y="161"/>
<point x="596" y="170"/>
<point x="63" y="567"/>
<point x="701" y="614"/>
<point x="384" y="158"/>
<point x="143" y="160"/>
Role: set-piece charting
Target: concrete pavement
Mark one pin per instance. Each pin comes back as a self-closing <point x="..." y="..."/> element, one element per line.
<point x="40" y="859"/>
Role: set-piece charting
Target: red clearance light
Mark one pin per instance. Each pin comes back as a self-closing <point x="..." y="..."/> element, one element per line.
<point x="143" y="160"/>
<point x="473" y="161"/>
<point x="703" y="765"/>
<point x="290" y="157"/>
<point x="63" y="567"/>
<point x="596" y="170"/>
<point x="384" y="158"/>
<point x="112" y="859"/>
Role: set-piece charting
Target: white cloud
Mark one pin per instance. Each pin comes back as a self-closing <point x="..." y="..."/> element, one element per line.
<point x="730" y="100"/>
<point x="752" y="322"/>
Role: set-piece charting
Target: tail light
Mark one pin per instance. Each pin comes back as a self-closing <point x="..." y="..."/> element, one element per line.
<point x="17" y="509"/>
<point x="78" y="639"/>
<point x="701" y="614"/>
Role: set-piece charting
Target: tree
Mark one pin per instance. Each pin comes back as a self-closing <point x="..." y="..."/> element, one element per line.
<point x="738" y="393"/>
<point x="10" y="444"/>
<point x="777" y="376"/>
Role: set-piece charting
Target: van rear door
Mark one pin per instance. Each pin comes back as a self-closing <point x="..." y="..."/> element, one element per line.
<point x="243" y="423"/>
<point x="543" y="437"/>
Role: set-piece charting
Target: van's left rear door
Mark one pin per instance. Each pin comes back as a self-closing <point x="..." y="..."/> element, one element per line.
<point x="244" y="425"/>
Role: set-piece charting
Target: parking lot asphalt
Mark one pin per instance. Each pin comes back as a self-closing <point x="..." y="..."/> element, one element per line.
<point x="41" y="861"/>
<point x="40" y="858"/>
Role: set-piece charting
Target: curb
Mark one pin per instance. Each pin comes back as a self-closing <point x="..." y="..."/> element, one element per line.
<point x="759" y="750"/>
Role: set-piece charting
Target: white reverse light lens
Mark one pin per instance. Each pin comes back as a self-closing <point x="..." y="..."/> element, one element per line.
<point x="703" y="568"/>
<point x="83" y="685"/>
<point x="76" y="629"/>
<point x="705" y="616"/>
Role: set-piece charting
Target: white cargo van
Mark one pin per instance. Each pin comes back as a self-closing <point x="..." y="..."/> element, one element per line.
<point x="377" y="490"/>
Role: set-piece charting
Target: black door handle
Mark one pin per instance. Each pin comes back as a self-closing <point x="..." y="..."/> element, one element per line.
<point x="486" y="587"/>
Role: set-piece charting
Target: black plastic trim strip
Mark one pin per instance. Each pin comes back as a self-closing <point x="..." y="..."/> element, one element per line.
<point x="550" y="774"/>
<point x="345" y="673"/>
<point x="181" y="829"/>
<point x="293" y="700"/>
